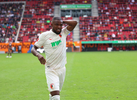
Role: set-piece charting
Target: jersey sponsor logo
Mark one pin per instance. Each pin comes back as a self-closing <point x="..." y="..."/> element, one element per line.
<point x="56" y="43"/>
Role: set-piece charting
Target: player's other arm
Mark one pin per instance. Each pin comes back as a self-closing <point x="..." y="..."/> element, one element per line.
<point x="38" y="55"/>
<point x="71" y="24"/>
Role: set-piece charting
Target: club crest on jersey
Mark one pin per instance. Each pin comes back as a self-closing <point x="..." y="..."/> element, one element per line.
<point x="56" y="43"/>
<point x="60" y="35"/>
<point x="51" y="85"/>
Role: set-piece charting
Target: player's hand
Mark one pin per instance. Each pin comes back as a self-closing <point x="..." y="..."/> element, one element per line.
<point x="41" y="59"/>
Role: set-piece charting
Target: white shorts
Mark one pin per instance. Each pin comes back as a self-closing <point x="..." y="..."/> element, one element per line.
<point x="55" y="79"/>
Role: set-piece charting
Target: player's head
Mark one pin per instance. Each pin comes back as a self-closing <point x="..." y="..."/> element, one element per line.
<point x="56" y="25"/>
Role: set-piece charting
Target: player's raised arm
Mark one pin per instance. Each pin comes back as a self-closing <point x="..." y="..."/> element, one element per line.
<point x="35" y="53"/>
<point x="71" y="24"/>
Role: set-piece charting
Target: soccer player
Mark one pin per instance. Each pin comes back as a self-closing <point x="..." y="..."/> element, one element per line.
<point x="54" y="43"/>
<point x="9" y="50"/>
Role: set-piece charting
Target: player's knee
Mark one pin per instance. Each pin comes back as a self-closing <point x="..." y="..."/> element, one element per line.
<point x="55" y="97"/>
<point x="55" y="93"/>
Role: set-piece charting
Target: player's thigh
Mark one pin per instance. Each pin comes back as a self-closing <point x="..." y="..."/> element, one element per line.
<point x="62" y="76"/>
<point x="52" y="81"/>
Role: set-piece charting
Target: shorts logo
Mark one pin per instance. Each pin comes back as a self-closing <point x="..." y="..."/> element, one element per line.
<point x="51" y="85"/>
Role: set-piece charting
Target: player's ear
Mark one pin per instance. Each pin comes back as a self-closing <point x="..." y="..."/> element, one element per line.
<point x="51" y="24"/>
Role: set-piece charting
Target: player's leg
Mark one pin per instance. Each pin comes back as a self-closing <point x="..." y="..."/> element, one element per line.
<point x="8" y="53"/>
<point x="62" y="77"/>
<point x="11" y="52"/>
<point x="50" y="96"/>
<point x="55" y="97"/>
<point x="53" y="84"/>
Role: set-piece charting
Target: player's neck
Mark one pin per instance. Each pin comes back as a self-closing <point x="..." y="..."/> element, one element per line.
<point x="55" y="32"/>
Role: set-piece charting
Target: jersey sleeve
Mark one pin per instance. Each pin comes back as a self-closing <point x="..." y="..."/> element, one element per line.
<point x="65" y="31"/>
<point x="40" y="41"/>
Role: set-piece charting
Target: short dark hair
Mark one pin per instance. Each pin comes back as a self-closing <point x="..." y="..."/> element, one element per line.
<point x="56" y="18"/>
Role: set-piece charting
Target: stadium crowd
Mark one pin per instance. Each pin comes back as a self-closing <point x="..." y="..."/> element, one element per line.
<point x="10" y="15"/>
<point x="117" y="20"/>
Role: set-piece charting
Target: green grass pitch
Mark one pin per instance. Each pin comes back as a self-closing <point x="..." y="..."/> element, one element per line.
<point x="90" y="76"/>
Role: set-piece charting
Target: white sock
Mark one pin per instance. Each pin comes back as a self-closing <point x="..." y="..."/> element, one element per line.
<point x="50" y="97"/>
<point x="55" y="97"/>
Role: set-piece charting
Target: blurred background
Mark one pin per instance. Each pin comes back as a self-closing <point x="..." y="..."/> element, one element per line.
<point x="103" y="25"/>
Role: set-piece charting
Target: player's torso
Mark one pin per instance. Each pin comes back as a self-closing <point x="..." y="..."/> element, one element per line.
<point x="54" y="43"/>
<point x="55" y="50"/>
<point x="10" y="46"/>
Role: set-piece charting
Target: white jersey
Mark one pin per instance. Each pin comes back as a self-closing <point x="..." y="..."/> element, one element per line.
<point x="55" y="48"/>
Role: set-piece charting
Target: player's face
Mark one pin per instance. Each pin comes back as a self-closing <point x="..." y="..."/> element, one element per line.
<point x="57" y="26"/>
